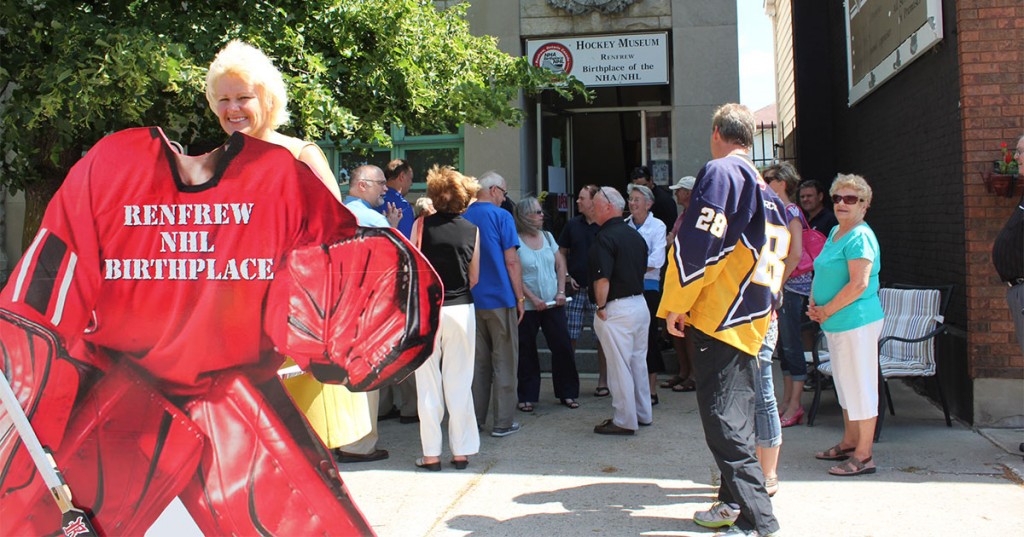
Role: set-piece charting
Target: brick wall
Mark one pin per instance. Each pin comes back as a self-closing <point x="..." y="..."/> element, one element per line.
<point x="991" y="54"/>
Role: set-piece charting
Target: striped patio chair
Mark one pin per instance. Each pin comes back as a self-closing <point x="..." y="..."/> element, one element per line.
<point x="914" y="316"/>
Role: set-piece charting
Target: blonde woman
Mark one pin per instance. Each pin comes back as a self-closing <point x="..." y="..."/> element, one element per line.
<point x="844" y="301"/>
<point x="247" y="93"/>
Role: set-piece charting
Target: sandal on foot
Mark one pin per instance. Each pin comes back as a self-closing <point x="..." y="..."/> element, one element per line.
<point x="673" y="382"/>
<point x="460" y="464"/>
<point x="602" y="391"/>
<point x="525" y="407"/>
<point x="571" y="403"/>
<point x="852" y="467"/>
<point x="771" y="484"/>
<point x="834" y="453"/>
<point x="687" y="385"/>
<point x="431" y="466"/>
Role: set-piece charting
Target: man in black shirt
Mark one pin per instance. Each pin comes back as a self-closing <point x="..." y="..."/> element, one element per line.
<point x="618" y="261"/>
<point x="574" y="244"/>
<point x="815" y="205"/>
<point x="664" y="208"/>
<point x="1008" y="258"/>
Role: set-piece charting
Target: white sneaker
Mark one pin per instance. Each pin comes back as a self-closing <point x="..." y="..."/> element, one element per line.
<point x="719" y="516"/>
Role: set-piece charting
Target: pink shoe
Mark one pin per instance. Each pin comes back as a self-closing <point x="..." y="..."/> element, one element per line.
<point x="797" y="419"/>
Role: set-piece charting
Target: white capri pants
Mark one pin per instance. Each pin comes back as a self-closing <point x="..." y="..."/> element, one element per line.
<point x="854" y="355"/>
<point x="446" y="380"/>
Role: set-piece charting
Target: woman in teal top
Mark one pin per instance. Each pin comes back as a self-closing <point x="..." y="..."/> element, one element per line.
<point x="844" y="301"/>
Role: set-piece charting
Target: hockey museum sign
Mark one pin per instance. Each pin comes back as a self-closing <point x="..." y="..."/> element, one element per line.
<point x="608" y="60"/>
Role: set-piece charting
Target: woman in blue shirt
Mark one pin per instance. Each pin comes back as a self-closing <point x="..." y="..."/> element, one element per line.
<point x="844" y="300"/>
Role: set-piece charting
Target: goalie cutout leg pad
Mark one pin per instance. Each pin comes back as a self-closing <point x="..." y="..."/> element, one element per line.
<point x="126" y="454"/>
<point x="264" y="475"/>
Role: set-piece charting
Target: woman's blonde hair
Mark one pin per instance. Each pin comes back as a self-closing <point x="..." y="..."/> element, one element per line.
<point x="450" y="191"/>
<point x="253" y="66"/>
<point x="853" y="182"/>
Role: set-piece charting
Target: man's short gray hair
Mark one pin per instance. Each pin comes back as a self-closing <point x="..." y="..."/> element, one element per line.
<point x="735" y="124"/>
<point x="614" y="197"/>
<point x="364" y="173"/>
<point x="489" y="179"/>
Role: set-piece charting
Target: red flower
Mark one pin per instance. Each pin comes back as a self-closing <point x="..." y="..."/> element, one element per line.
<point x="1007" y="166"/>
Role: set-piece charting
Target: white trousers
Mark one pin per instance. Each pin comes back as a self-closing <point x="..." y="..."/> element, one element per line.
<point x="623" y="336"/>
<point x="854" y="355"/>
<point x="446" y="378"/>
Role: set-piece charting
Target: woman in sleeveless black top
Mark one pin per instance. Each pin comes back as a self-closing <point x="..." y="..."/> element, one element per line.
<point x="451" y="244"/>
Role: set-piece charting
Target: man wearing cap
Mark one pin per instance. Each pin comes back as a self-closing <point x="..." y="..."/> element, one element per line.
<point x="664" y="208"/>
<point x="681" y="190"/>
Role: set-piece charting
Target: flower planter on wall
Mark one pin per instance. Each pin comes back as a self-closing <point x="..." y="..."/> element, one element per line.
<point x="1002" y="184"/>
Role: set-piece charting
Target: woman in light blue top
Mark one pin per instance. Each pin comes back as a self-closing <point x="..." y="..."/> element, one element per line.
<point x="544" y="272"/>
<point x="844" y="300"/>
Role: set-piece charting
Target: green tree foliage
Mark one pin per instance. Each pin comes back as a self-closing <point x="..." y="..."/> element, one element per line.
<point x="72" y="72"/>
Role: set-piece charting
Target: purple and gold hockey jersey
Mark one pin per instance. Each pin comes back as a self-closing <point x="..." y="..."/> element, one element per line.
<point x="728" y="258"/>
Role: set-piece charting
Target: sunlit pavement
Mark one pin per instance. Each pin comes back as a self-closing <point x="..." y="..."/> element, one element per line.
<point x="556" y="477"/>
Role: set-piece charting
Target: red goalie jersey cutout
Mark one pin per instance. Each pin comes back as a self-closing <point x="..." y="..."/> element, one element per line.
<point x="143" y="327"/>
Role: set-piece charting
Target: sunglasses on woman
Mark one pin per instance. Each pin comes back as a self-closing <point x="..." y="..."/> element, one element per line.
<point x="848" y="199"/>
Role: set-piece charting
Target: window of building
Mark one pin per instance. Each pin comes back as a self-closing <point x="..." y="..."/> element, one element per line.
<point x="421" y="150"/>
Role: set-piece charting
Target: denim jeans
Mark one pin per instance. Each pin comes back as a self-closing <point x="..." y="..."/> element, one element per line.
<point x="767" y="424"/>
<point x="791" y="349"/>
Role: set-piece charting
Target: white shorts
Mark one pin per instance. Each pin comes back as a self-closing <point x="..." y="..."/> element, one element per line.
<point x="854" y="355"/>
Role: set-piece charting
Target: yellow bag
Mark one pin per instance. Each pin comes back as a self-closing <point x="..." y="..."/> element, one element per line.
<point x="339" y="416"/>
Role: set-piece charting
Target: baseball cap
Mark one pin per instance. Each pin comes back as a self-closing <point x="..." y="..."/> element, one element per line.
<point x="686" y="182"/>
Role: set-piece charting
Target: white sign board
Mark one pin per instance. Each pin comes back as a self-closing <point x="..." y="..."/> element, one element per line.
<point x="607" y="60"/>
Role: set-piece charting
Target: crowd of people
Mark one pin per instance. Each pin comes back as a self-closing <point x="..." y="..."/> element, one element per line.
<point x="717" y="266"/>
<point x="720" y="277"/>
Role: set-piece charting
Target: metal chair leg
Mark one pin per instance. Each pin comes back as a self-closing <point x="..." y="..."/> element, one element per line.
<point x="888" y="396"/>
<point x="883" y="396"/>
<point x="942" y="398"/>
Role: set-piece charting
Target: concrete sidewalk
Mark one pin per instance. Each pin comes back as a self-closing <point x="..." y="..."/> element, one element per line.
<point x="556" y="477"/>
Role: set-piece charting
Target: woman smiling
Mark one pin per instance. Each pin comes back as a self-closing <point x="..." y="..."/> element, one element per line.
<point x="844" y="300"/>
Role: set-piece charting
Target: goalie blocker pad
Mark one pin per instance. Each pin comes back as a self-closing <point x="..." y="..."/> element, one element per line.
<point x="362" y="312"/>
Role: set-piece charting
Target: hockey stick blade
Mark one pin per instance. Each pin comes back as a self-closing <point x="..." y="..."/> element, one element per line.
<point x="74" y="521"/>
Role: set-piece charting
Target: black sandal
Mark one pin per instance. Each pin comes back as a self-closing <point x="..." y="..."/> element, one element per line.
<point x="525" y="407"/>
<point x="571" y="403"/>
<point x="602" y="391"/>
<point x="685" y="386"/>
<point x="673" y="382"/>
